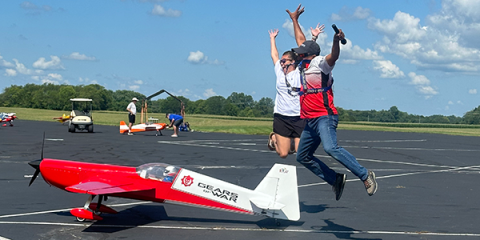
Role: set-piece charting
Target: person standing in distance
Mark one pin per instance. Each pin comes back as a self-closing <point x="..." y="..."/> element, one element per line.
<point x="317" y="108"/>
<point x="132" y="110"/>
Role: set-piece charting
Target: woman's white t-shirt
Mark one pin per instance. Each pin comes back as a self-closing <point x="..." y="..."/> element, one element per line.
<point x="287" y="102"/>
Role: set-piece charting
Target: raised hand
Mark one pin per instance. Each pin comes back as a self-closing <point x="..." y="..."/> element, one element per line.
<point x="294" y="15"/>
<point x="316" y="31"/>
<point x="273" y="33"/>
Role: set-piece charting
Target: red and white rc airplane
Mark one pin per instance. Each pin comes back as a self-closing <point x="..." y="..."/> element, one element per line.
<point x="276" y="196"/>
<point x="143" y="127"/>
<point x="7" y="117"/>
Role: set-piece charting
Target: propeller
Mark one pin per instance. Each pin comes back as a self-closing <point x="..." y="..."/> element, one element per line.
<point x="36" y="163"/>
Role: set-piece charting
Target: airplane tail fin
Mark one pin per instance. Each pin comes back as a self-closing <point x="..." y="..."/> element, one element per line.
<point x="280" y="186"/>
<point x="123" y="127"/>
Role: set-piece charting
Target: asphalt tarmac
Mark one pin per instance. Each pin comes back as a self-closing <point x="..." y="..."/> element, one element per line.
<point x="428" y="186"/>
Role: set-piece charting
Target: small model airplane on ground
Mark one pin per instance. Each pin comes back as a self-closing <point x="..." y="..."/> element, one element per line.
<point x="144" y="127"/>
<point x="276" y="196"/>
<point x="64" y="118"/>
<point x="7" y="118"/>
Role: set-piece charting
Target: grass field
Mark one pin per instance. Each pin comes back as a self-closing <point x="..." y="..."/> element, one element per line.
<point x="251" y="126"/>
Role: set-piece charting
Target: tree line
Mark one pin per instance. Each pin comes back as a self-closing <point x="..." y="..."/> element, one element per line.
<point x="57" y="97"/>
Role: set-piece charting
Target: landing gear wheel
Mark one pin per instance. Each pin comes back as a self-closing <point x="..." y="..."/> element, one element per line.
<point x="80" y="219"/>
<point x="277" y="222"/>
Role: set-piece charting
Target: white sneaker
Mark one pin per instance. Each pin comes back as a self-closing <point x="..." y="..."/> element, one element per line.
<point x="130" y="134"/>
<point x="174" y="135"/>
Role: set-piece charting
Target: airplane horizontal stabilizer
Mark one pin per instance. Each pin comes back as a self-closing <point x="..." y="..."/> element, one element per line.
<point x="280" y="185"/>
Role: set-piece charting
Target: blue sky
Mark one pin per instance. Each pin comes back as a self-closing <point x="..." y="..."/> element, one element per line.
<point x="422" y="56"/>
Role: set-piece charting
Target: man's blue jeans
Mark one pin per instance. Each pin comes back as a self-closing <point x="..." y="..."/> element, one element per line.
<point x="324" y="130"/>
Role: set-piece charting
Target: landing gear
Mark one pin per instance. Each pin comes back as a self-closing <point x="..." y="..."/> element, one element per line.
<point x="92" y="211"/>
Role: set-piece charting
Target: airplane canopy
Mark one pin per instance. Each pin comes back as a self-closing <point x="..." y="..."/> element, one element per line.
<point x="158" y="171"/>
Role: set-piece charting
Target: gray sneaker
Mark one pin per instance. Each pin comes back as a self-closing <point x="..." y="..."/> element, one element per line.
<point x="339" y="185"/>
<point x="370" y="183"/>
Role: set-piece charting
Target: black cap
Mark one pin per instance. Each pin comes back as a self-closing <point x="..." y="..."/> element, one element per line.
<point x="308" y="47"/>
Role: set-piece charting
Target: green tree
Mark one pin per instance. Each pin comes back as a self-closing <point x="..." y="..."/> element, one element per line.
<point x="241" y="100"/>
<point x="214" y="105"/>
<point x="231" y="109"/>
<point x="472" y="117"/>
<point x="265" y="107"/>
<point x="171" y="105"/>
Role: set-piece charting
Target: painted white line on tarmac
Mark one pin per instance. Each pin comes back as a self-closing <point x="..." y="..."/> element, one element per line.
<point x="2" y="238"/>
<point x="190" y="143"/>
<point x="400" y="175"/>
<point x="68" y="209"/>
<point x="249" y="229"/>
<point x="383" y="141"/>
<point x="54" y="139"/>
<point x="416" y="149"/>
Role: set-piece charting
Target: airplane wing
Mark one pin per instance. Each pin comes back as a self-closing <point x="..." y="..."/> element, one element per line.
<point x="99" y="187"/>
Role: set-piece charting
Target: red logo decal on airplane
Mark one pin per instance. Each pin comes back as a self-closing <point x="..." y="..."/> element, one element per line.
<point x="187" y="181"/>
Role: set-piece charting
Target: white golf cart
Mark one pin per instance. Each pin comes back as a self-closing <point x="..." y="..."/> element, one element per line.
<point x="81" y="115"/>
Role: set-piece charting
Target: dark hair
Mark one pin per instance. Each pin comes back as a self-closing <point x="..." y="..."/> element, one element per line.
<point x="291" y="55"/>
<point x="166" y="115"/>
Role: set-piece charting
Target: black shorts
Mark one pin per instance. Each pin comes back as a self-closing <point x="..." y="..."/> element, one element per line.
<point x="131" y="118"/>
<point x="178" y="122"/>
<point x="287" y="126"/>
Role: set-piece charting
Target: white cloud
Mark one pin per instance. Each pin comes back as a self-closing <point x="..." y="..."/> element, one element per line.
<point x="134" y="87"/>
<point x="78" y="56"/>
<point x="55" y="63"/>
<point x="160" y="11"/>
<point x="28" y="5"/>
<point x="55" y="76"/>
<point x="422" y="84"/>
<point x="349" y="14"/>
<point x="139" y="82"/>
<point x="87" y="81"/>
<point x="472" y="91"/>
<point x="354" y="52"/>
<point x="196" y="57"/>
<point x="388" y="69"/>
<point x="10" y="72"/>
<point x="32" y="7"/>
<point x="441" y="44"/>
<point x="460" y="17"/>
<point x="4" y="63"/>
<point x="20" y="68"/>
<point x="209" y="93"/>
<point x="52" y="78"/>
<point x="200" y="58"/>
<point x="183" y="92"/>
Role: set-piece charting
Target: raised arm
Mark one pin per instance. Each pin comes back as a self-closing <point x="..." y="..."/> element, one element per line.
<point x="299" y="36"/>
<point x="335" y="54"/>
<point x="273" y="46"/>
<point x="316" y="31"/>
